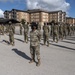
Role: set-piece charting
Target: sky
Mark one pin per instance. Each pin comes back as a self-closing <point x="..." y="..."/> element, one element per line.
<point x="51" y="5"/>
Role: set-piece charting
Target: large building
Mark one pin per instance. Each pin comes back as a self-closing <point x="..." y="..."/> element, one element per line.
<point x="70" y="20"/>
<point x="58" y="16"/>
<point x="16" y="14"/>
<point x="36" y="15"/>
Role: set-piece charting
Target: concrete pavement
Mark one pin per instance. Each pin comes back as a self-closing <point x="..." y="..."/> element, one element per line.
<point x="57" y="59"/>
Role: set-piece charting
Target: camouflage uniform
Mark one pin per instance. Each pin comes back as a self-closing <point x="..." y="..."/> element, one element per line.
<point x="6" y="28"/>
<point x="26" y="29"/>
<point x="11" y="35"/>
<point x="64" y="30"/>
<point x="13" y="28"/>
<point x="61" y="31"/>
<point x="35" y="45"/>
<point x="39" y="29"/>
<point x="39" y="26"/>
<point x="2" y="29"/>
<point x="68" y="29"/>
<point x="50" y="29"/>
<point x="72" y="29"/>
<point x="20" y="29"/>
<point x="52" y="25"/>
<point x="55" y="32"/>
<point x="46" y="31"/>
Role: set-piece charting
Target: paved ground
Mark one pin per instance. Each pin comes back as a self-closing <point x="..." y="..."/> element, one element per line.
<point x="57" y="59"/>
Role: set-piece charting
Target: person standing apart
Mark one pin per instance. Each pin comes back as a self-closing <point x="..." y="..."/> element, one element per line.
<point x="35" y="44"/>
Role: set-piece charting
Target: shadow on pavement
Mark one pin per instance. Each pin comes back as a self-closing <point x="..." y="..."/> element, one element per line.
<point x="6" y="41"/>
<point x="19" y="40"/>
<point x="20" y="53"/>
<point x="68" y="42"/>
<point x="63" y="47"/>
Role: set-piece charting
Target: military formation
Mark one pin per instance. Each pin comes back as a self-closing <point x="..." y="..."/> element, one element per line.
<point x="57" y="31"/>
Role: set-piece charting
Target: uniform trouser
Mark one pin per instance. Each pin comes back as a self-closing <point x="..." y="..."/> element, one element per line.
<point x="55" y="35"/>
<point x="64" y="34"/>
<point x="73" y="32"/>
<point x="61" y="35"/>
<point x="25" y="37"/>
<point x="11" y="38"/>
<point x="46" y="38"/>
<point x="35" y="50"/>
<point x="68" y="32"/>
<point x="2" y="32"/>
<point x="20" y="32"/>
<point x="14" y="31"/>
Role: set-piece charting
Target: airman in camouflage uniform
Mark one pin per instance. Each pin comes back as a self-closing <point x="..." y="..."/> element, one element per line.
<point x="50" y="28"/>
<point x="64" y="30"/>
<point x="46" y="32"/>
<point x="35" y="44"/>
<point x="72" y="29"/>
<point x="13" y="27"/>
<point x="26" y="29"/>
<point x="61" y="31"/>
<point x="11" y="34"/>
<point x="2" y="29"/>
<point x="39" y="28"/>
<point x="20" y="29"/>
<point x="55" y="32"/>
<point x="68" y="29"/>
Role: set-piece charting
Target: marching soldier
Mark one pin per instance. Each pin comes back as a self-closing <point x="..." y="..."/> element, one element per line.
<point x="26" y="29"/>
<point x="64" y="30"/>
<point x="61" y="31"/>
<point x="35" y="44"/>
<point x="55" y="32"/>
<point x="11" y="34"/>
<point x="68" y="29"/>
<point x="50" y="28"/>
<point x="20" y="29"/>
<point x="39" y="28"/>
<point x="72" y="28"/>
<point x="2" y="29"/>
<point x="13" y="28"/>
<point x="6" y="28"/>
<point x="46" y="31"/>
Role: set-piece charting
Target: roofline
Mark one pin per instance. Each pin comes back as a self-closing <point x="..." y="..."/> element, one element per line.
<point x="69" y="17"/>
<point x="36" y="10"/>
<point x="55" y="11"/>
<point x="19" y="10"/>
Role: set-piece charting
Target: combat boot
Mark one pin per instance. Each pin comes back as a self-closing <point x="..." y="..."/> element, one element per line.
<point x="12" y="43"/>
<point x="32" y="60"/>
<point x="44" y="43"/>
<point x="27" y="41"/>
<point x="56" y="41"/>
<point x="38" y="63"/>
<point x="48" y="43"/>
